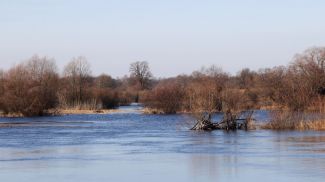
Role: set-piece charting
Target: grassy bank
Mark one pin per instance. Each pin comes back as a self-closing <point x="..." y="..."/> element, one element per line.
<point x="58" y="112"/>
<point x="286" y="120"/>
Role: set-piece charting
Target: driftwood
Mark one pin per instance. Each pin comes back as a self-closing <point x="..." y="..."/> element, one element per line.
<point x="205" y="123"/>
<point x="229" y="122"/>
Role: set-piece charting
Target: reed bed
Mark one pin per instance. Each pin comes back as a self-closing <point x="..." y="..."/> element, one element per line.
<point x="286" y="120"/>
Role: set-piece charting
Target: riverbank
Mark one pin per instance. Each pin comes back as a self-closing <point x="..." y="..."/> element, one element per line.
<point x="57" y="112"/>
<point x="101" y="111"/>
<point x="302" y="121"/>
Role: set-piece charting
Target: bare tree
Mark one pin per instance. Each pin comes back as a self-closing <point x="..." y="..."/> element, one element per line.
<point x="246" y="78"/>
<point x="311" y="65"/>
<point x="104" y="92"/>
<point x="167" y="97"/>
<point x="204" y="90"/>
<point x="2" y="88"/>
<point x="77" y="74"/>
<point x="31" y="87"/>
<point x="204" y="95"/>
<point x="105" y="81"/>
<point x="43" y="72"/>
<point x="16" y="88"/>
<point x="141" y="72"/>
<point x="296" y="93"/>
<point x="2" y="79"/>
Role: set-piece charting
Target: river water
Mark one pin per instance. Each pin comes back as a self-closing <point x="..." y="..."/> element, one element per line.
<point x="130" y="146"/>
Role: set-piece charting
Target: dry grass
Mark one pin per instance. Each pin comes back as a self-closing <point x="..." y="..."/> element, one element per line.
<point x="152" y="111"/>
<point x="285" y="120"/>
<point x="312" y="125"/>
<point x="83" y="111"/>
<point x="10" y="115"/>
<point x="90" y="107"/>
<point x="56" y="112"/>
<point x="87" y="105"/>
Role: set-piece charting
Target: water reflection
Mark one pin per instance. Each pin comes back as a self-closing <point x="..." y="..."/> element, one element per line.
<point x="204" y="165"/>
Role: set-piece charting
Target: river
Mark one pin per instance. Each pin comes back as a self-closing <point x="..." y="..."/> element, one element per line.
<point x="130" y="146"/>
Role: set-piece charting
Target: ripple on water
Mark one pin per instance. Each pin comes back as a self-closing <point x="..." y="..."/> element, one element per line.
<point x="152" y="148"/>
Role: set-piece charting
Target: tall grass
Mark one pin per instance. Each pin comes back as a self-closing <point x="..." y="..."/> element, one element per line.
<point x="86" y="105"/>
<point x="286" y="120"/>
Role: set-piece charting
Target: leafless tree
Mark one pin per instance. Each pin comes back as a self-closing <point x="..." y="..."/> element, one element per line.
<point x="246" y="78"/>
<point x="77" y="74"/>
<point x="105" y="81"/>
<point x="167" y="97"/>
<point x="2" y="88"/>
<point x="204" y="90"/>
<point x="140" y="71"/>
<point x="2" y="79"/>
<point x="16" y="90"/>
<point x="311" y="65"/>
<point x="43" y="73"/>
<point x="271" y="85"/>
<point x="31" y="87"/>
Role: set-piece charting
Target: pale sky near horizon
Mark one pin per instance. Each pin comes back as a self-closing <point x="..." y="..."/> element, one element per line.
<point x="174" y="36"/>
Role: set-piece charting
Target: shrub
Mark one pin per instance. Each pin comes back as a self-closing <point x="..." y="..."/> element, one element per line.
<point x="166" y="96"/>
<point x="287" y="120"/>
<point x="107" y="98"/>
<point x="30" y="88"/>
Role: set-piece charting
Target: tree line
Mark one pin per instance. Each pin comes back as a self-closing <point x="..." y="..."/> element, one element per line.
<point x="297" y="87"/>
<point x="35" y="86"/>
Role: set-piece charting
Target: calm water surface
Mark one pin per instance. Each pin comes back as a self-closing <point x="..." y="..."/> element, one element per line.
<point x="130" y="146"/>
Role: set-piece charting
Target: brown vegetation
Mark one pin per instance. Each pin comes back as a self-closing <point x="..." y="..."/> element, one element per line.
<point x="76" y="82"/>
<point x="286" y="120"/>
<point x="298" y="87"/>
<point x="30" y="87"/>
<point x="141" y="75"/>
<point x="167" y="96"/>
<point x="33" y="87"/>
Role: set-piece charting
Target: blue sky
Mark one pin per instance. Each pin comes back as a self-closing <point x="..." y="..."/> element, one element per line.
<point x="174" y="36"/>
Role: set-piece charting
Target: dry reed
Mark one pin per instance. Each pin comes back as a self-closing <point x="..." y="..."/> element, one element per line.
<point x="285" y="120"/>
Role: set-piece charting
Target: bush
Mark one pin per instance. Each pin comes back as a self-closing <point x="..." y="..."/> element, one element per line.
<point x="287" y="120"/>
<point x="106" y="98"/>
<point x="30" y="88"/>
<point x="125" y="98"/>
<point x="167" y="97"/>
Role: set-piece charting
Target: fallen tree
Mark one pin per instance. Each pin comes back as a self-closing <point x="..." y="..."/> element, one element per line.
<point x="230" y="121"/>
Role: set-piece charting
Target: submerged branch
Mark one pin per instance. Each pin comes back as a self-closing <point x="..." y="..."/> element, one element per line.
<point x="229" y="122"/>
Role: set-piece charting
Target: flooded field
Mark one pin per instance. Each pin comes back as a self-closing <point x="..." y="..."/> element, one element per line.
<point x="130" y="146"/>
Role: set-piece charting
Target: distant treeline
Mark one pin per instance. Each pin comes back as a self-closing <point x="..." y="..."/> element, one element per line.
<point x="298" y="87"/>
<point x="36" y="86"/>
